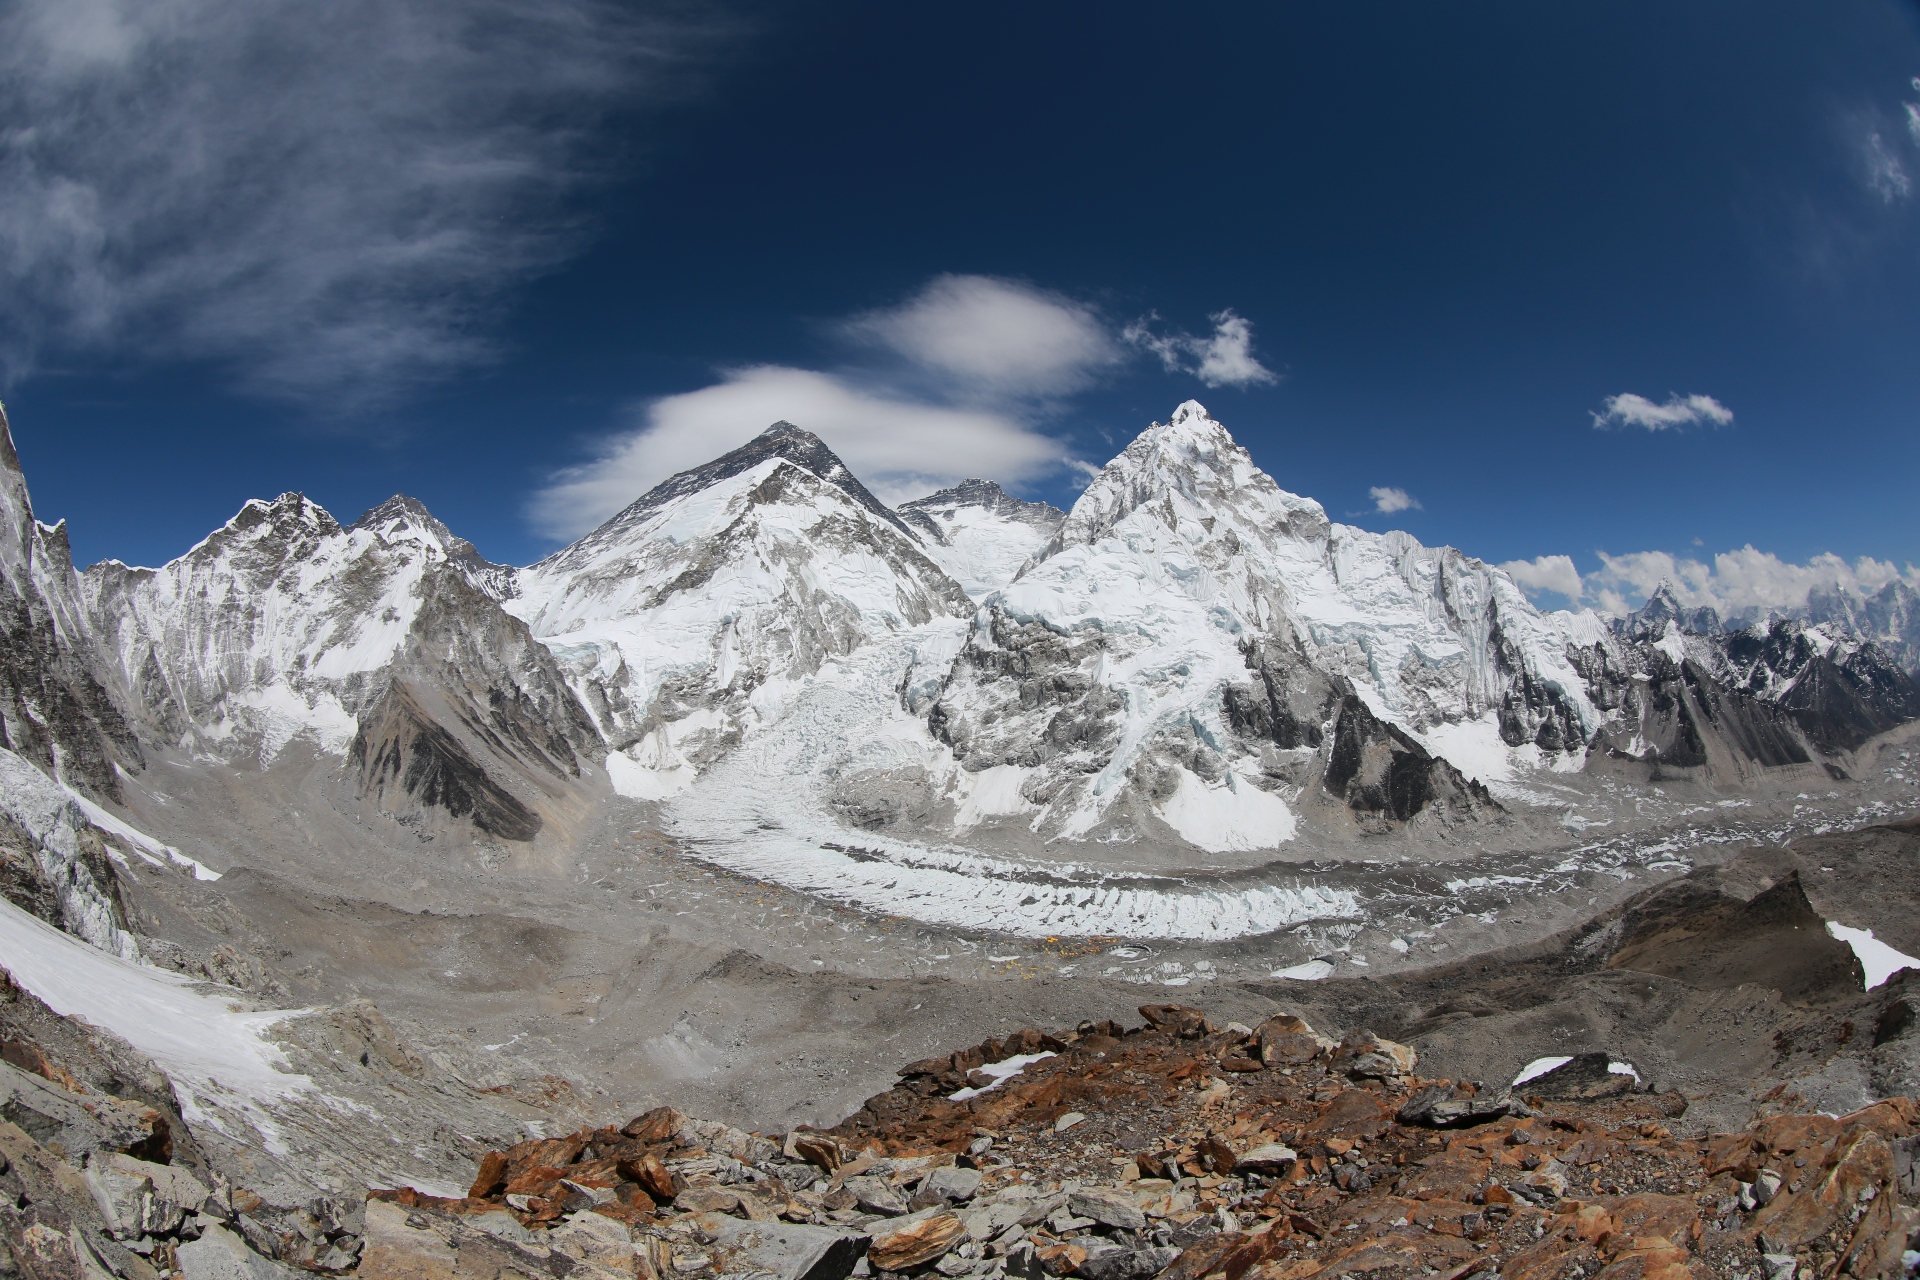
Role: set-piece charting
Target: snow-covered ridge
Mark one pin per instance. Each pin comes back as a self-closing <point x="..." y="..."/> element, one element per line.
<point x="686" y="620"/>
<point x="980" y="534"/>
<point x="275" y="626"/>
<point x="1183" y="572"/>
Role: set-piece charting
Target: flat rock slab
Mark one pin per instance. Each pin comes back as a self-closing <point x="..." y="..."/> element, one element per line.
<point x="791" y="1251"/>
<point x="221" y="1255"/>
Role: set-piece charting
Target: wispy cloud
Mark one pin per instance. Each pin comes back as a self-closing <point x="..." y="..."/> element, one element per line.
<point x="331" y="198"/>
<point x="1002" y="338"/>
<point x="1675" y="413"/>
<point x="970" y="371"/>
<point x="1388" y="500"/>
<point x="1886" y="175"/>
<point x="900" y="448"/>
<point x="1223" y="359"/>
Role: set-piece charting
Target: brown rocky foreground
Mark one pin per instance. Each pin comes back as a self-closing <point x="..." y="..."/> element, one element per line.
<point x="1188" y="1152"/>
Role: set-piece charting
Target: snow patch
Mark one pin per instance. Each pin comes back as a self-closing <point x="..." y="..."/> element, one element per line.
<point x="1878" y="959"/>
<point x="220" y="1065"/>
<point x="1540" y="1066"/>
<point x="1001" y="1071"/>
<point x="1227" y="819"/>
<point x="993" y="793"/>
<point x="1311" y="971"/>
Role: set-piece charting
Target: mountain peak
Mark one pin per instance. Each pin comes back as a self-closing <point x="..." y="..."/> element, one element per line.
<point x="1190" y="411"/>
<point x="781" y="440"/>
<point x="401" y="509"/>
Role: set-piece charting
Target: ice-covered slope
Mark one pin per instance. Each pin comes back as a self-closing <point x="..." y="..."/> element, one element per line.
<point x="685" y="620"/>
<point x="54" y="707"/>
<point x="381" y="640"/>
<point x="1194" y="633"/>
<point x="979" y="533"/>
<point x="278" y="625"/>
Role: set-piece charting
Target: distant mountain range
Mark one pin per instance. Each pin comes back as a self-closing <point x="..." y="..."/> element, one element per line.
<point x="1190" y="656"/>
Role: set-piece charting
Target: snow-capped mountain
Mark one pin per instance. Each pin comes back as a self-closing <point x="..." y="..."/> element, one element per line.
<point x="1195" y="634"/>
<point x="54" y="706"/>
<point x="686" y="620"/>
<point x="380" y="639"/>
<point x="1888" y="618"/>
<point x="1192" y="656"/>
<point x="980" y="534"/>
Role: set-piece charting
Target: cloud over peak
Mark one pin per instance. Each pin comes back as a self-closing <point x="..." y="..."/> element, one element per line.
<point x="990" y="335"/>
<point x="1222" y="359"/>
<point x="1676" y="413"/>
<point x="900" y="448"/>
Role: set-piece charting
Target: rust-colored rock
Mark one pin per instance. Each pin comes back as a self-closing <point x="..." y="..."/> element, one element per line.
<point x="651" y="1174"/>
<point x="918" y="1243"/>
<point x="657" y="1125"/>
<point x="1355" y="1113"/>
<point x="491" y="1178"/>
<point x="1177" y="1020"/>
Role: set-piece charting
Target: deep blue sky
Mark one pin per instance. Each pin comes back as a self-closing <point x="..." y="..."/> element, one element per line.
<point x="1455" y="230"/>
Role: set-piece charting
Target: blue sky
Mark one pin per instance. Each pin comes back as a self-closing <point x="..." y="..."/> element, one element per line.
<point x="518" y="261"/>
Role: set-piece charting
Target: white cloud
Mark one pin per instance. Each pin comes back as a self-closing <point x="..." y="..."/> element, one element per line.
<point x="1223" y="360"/>
<point x="995" y="336"/>
<point x="330" y="198"/>
<point x="1913" y="117"/>
<point x="1885" y="174"/>
<point x="1676" y="413"/>
<point x="1546" y="573"/>
<point x="900" y="449"/>
<point x="1389" y="500"/>
<point x="1736" y="580"/>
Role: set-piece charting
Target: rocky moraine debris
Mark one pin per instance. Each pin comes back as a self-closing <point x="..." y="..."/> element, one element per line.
<point x="1185" y="1151"/>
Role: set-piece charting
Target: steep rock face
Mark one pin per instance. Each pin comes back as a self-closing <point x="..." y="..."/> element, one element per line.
<point x="1776" y="694"/>
<point x="1890" y="618"/>
<point x="1385" y="777"/>
<point x="278" y="625"/>
<point x="476" y="721"/>
<point x="1839" y="691"/>
<point x="1193" y="614"/>
<point x="685" y="619"/>
<point x="54" y="707"/>
<point x="979" y="533"/>
<point x="382" y="641"/>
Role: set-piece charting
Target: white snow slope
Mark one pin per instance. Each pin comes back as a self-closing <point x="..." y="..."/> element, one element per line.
<point x="1180" y="553"/>
<point x="223" y="1072"/>
<point x="695" y="621"/>
<point x="979" y="534"/>
<point x="274" y="627"/>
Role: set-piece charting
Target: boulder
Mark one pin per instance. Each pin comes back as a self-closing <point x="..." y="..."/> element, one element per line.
<point x="652" y="1175"/>
<point x="1285" y="1040"/>
<point x="219" y="1254"/>
<point x="657" y="1125"/>
<point x="1437" y="1107"/>
<point x="1585" y="1077"/>
<point x="1108" y="1208"/>
<point x="876" y="1195"/>
<point x="951" y="1184"/>
<point x="1368" y="1056"/>
<point x="916" y="1244"/>
<point x="1177" y="1020"/>
<point x="790" y="1251"/>
<point x="1127" y="1264"/>
<point x="1268" y="1158"/>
